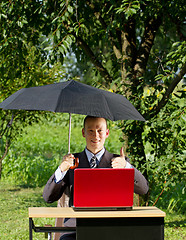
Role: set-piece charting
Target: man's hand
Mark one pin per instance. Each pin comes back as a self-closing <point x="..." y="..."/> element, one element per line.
<point x="119" y="162"/>
<point x="67" y="162"/>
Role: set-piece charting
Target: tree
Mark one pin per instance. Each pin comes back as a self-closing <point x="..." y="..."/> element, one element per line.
<point x="22" y="63"/>
<point x="131" y="46"/>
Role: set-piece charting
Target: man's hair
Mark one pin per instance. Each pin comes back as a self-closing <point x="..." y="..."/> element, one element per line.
<point x="88" y="117"/>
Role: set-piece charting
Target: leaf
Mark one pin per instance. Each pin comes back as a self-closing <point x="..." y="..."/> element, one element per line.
<point x="58" y="33"/>
<point x="3" y="15"/>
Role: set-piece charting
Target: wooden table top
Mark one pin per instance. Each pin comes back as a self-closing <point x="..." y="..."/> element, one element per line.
<point x="67" y="212"/>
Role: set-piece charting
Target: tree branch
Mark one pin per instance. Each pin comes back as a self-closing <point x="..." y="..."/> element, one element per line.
<point x="146" y="44"/>
<point x="116" y="49"/>
<point x="102" y="70"/>
<point x="170" y="89"/>
<point x="128" y="36"/>
<point x="9" y="124"/>
<point x="4" y="155"/>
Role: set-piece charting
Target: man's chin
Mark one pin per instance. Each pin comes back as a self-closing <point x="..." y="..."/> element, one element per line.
<point x="95" y="149"/>
<point x="95" y="144"/>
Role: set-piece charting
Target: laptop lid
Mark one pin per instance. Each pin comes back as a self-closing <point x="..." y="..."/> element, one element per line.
<point x="103" y="188"/>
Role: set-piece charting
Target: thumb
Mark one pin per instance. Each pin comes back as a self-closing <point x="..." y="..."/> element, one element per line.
<point x="122" y="153"/>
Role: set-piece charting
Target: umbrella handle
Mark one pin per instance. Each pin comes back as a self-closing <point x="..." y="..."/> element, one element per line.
<point x="75" y="164"/>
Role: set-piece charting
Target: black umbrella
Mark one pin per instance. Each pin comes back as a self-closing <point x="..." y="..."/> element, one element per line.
<point x="73" y="97"/>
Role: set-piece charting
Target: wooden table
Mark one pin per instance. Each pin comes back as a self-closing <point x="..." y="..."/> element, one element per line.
<point x="145" y="223"/>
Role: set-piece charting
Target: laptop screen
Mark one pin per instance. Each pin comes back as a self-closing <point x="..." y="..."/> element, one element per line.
<point x="103" y="188"/>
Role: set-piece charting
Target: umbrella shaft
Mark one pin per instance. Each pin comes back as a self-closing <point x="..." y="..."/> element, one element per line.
<point x="69" y="133"/>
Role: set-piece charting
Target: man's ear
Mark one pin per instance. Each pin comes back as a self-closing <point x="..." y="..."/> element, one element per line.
<point x="83" y="132"/>
<point x="107" y="133"/>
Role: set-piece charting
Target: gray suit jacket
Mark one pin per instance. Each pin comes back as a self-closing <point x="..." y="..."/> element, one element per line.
<point x="53" y="191"/>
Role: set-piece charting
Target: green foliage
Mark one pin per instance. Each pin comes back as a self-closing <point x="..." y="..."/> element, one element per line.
<point x="22" y="62"/>
<point x="129" y="8"/>
<point x="37" y="153"/>
<point x="134" y="42"/>
<point x="164" y="147"/>
<point x="164" y="143"/>
<point x="19" y="40"/>
<point x="129" y="47"/>
<point x="174" y="61"/>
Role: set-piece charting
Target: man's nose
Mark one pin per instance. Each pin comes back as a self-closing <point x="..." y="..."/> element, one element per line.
<point x="96" y="133"/>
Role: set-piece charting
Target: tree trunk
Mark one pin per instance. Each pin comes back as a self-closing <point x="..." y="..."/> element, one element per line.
<point x="4" y="155"/>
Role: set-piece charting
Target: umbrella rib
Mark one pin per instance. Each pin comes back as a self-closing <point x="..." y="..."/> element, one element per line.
<point x="60" y="96"/>
<point x="111" y="115"/>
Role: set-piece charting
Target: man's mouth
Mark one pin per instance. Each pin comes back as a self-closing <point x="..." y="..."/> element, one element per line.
<point x="95" y="141"/>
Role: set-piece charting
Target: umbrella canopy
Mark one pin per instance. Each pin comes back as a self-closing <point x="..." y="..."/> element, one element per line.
<point x="73" y="97"/>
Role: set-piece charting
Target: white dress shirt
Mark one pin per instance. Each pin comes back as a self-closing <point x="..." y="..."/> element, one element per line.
<point x="60" y="175"/>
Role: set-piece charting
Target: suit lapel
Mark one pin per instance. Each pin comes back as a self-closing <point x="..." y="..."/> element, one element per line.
<point x="83" y="161"/>
<point x="104" y="163"/>
<point x="106" y="160"/>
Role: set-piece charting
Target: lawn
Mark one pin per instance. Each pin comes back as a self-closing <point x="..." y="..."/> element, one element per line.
<point x="14" y="203"/>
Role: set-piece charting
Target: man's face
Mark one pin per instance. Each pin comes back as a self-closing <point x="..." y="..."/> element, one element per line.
<point x="95" y="133"/>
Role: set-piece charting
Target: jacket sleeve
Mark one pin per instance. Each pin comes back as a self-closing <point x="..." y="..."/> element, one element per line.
<point x="141" y="185"/>
<point x="53" y="191"/>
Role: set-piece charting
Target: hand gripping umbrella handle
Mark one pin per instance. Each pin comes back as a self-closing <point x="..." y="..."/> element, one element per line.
<point x="75" y="164"/>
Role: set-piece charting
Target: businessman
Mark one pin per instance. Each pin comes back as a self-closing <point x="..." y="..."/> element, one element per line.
<point x="95" y="132"/>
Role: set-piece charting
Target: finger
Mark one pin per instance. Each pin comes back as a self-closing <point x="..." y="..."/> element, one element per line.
<point x="114" y="160"/>
<point x="70" y="156"/>
<point x="113" y="164"/>
<point x="122" y="152"/>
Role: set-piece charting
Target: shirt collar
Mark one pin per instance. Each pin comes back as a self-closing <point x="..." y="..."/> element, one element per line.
<point x="98" y="155"/>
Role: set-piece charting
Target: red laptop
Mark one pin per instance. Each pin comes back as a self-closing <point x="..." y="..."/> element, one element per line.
<point x="103" y="189"/>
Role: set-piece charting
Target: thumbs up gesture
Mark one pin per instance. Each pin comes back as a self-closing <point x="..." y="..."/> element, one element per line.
<point x="119" y="162"/>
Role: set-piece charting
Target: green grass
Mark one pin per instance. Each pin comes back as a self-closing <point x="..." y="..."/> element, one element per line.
<point x="15" y="201"/>
<point x="14" y="204"/>
<point x="175" y="227"/>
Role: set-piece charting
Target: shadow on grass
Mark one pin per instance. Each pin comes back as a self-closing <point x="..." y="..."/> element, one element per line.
<point x="175" y="223"/>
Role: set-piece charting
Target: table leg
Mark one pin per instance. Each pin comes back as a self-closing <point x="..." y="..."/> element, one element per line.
<point x="30" y="228"/>
<point x="48" y="229"/>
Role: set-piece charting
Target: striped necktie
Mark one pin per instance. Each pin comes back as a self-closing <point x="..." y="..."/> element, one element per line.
<point x="93" y="162"/>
